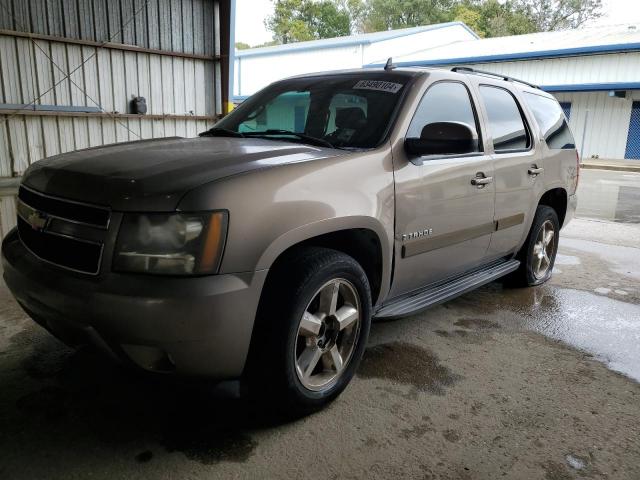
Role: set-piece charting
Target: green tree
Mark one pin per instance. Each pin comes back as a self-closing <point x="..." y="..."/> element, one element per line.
<point x="300" y="20"/>
<point x="242" y="46"/>
<point x="393" y="14"/>
<point x="490" y="18"/>
<point x="548" y="15"/>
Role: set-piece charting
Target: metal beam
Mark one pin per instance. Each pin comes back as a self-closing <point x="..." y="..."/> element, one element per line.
<point x="55" y="113"/>
<point x="108" y="45"/>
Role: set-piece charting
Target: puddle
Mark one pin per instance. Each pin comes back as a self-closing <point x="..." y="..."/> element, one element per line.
<point x="606" y="328"/>
<point x="208" y="447"/>
<point x="476" y="324"/>
<point x="95" y="402"/>
<point x="408" y="364"/>
<point x="144" y="457"/>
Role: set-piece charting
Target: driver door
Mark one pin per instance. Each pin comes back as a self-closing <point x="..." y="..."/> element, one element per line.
<point x="445" y="202"/>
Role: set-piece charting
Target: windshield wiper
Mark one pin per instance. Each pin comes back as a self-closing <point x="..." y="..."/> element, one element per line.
<point x="307" y="138"/>
<point x="221" y="132"/>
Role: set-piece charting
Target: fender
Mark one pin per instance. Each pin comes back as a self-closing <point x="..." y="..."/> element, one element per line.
<point x="330" y="225"/>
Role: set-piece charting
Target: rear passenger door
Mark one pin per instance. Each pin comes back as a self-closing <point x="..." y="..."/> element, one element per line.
<point x="517" y="167"/>
<point x="444" y="214"/>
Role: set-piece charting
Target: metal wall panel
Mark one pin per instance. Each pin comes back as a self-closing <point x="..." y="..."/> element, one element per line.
<point x="38" y="71"/>
<point x="174" y="25"/>
<point x="607" y="124"/>
<point x="60" y="71"/>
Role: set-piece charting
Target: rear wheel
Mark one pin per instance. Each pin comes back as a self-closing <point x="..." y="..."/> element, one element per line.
<point x="312" y="329"/>
<point x="538" y="253"/>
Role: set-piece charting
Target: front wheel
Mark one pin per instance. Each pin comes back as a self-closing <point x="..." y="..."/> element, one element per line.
<point x="312" y="329"/>
<point x="538" y="253"/>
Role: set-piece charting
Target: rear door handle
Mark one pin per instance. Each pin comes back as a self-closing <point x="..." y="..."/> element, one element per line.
<point x="534" y="171"/>
<point x="480" y="180"/>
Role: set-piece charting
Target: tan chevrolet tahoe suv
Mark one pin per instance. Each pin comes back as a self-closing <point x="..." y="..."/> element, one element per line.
<point x="262" y="250"/>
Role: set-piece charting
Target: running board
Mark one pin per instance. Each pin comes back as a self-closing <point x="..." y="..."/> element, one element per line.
<point x="445" y="290"/>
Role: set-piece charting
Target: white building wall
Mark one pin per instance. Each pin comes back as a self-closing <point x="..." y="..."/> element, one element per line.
<point x="619" y="67"/>
<point x="607" y="122"/>
<point x="379" y="52"/>
<point x="255" y="71"/>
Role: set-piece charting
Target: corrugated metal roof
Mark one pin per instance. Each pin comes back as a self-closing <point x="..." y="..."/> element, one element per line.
<point x="361" y="39"/>
<point x="582" y="41"/>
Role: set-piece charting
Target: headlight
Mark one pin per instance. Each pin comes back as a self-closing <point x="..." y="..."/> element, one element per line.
<point x="171" y="244"/>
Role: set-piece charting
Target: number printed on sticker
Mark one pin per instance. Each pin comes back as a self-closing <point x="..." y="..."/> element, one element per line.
<point x="378" y="85"/>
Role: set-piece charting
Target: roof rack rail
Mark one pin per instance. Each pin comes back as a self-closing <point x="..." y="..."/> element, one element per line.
<point x="492" y="74"/>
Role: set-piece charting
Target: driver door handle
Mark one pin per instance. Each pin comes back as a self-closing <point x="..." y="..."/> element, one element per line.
<point x="534" y="171"/>
<point x="480" y="180"/>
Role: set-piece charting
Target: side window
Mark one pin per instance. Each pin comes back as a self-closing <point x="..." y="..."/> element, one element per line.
<point x="287" y="111"/>
<point x="553" y="124"/>
<point x="566" y="108"/>
<point x="505" y="120"/>
<point x="444" y="102"/>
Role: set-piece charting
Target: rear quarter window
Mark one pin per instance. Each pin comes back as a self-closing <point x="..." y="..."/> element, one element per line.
<point x="551" y="120"/>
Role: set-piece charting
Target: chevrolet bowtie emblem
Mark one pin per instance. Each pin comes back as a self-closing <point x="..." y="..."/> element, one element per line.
<point x="37" y="220"/>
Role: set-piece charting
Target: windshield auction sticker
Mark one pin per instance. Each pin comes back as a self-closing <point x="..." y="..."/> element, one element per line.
<point x="378" y="85"/>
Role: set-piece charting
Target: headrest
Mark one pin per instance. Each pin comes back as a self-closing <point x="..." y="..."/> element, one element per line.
<point x="351" y="117"/>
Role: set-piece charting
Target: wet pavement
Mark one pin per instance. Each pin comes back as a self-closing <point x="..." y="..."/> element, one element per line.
<point x="609" y="195"/>
<point x="537" y="383"/>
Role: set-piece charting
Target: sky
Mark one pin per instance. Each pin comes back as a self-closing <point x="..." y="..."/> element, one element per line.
<point x="250" y="16"/>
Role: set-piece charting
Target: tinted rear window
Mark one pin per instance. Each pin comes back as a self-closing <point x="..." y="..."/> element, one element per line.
<point x="505" y="120"/>
<point x="551" y="120"/>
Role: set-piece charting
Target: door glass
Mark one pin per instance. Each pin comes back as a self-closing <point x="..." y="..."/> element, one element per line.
<point x="444" y="102"/>
<point x="505" y="120"/>
<point x="552" y="122"/>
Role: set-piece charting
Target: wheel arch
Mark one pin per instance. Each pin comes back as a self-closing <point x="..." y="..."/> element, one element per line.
<point x="556" y="198"/>
<point x="362" y="238"/>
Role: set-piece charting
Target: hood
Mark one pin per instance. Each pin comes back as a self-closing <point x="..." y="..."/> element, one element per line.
<point x="153" y="175"/>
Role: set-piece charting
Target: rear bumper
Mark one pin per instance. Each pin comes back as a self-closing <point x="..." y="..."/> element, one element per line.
<point x="192" y="326"/>
<point x="572" y="204"/>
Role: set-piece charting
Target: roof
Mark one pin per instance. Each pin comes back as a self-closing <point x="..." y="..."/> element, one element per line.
<point x="565" y="43"/>
<point x="360" y="39"/>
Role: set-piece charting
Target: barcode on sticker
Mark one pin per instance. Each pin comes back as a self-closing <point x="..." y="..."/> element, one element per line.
<point x="379" y="85"/>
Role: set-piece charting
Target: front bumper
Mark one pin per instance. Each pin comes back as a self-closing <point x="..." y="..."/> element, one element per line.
<point x="193" y="326"/>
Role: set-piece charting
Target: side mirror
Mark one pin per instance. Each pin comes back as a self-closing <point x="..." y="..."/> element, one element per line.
<point x="442" y="138"/>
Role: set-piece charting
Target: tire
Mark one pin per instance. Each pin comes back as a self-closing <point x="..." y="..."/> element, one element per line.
<point x="536" y="259"/>
<point x="296" y="327"/>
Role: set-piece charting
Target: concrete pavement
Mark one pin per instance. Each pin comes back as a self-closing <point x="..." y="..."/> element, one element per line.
<point x="538" y="383"/>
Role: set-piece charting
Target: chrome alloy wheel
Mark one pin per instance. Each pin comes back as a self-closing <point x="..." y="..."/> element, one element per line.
<point x="327" y="334"/>
<point x="543" y="250"/>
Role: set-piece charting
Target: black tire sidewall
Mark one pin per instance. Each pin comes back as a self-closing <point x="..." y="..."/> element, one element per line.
<point x="543" y="213"/>
<point x="272" y="364"/>
<point x="306" y="293"/>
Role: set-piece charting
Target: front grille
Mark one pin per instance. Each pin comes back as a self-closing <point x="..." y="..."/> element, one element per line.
<point x="65" y="233"/>
<point x="66" y="209"/>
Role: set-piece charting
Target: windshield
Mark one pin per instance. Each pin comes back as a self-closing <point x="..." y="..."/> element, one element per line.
<point x="342" y="111"/>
